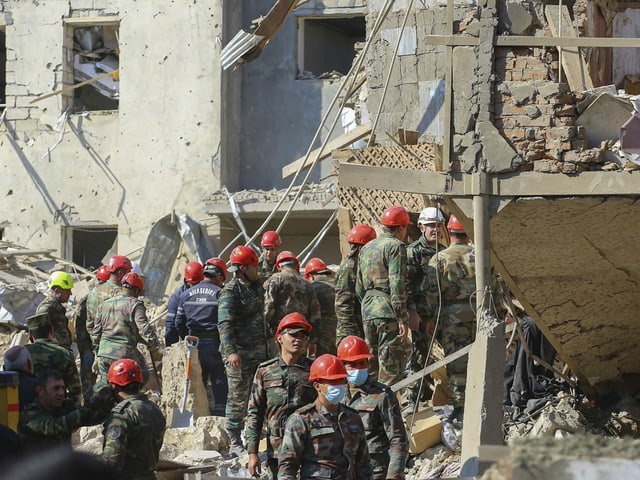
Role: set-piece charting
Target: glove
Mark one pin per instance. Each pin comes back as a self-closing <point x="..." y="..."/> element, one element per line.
<point x="100" y="398"/>
<point x="156" y="355"/>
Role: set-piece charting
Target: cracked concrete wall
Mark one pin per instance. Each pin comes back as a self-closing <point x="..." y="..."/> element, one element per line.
<point x="160" y="151"/>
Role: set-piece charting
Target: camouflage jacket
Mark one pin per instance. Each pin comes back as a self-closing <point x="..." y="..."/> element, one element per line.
<point x="83" y="337"/>
<point x="58" y="318"/>
<point x="95" y="298"/>
<point x="38" y="428"/>
<point x="278" y="390"/>
<point x="418" y="255"/>
<point x="325" y="290"/>
<point x="287" y="292"/>
<point x="241" y="321"/>
<point x="133" y="435"/>
<point x="317" y="444"/>
<point x="122" y="323"/>
<point x="382" y="277"/>
<point x="347" y="304"/>
<point x="386" y="434"/>
<point x="47" y="355"/>
<point x="451" y="277"/>
<point x="266" y="269"/>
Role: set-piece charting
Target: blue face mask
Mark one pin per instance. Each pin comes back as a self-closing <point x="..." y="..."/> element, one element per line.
<point x="358" y="377"/>
<point x="335" y="393"/>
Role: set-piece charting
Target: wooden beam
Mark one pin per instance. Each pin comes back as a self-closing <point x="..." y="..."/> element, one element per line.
<point x="18" y="253"/>
<point x="517" y="41"/>
<point x="342" y="141"/>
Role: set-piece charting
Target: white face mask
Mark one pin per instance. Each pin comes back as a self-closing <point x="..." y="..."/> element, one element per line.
<point x="335" y="393"/>
<point x="357" y="377"/>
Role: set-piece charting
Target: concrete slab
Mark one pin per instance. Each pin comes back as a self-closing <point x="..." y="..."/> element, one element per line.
<point x="616" y="111"/>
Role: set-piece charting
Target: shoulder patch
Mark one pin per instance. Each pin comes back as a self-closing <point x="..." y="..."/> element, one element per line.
<point x="114" y="432"/>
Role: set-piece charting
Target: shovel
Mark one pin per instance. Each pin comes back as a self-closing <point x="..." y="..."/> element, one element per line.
<point x="181" y="416"/>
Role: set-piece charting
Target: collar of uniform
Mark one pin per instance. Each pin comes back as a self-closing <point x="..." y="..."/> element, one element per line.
<point x="299" y="363"/>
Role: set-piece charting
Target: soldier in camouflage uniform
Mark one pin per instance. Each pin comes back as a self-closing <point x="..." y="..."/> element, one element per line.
<point x="381" y="288"/>
<point x="243" y="342"/>
<point x="48" y="355"/>
<point x="347" y="304"/>
<point x="379" y="409"/>
<point x="134" y="430"/>
<point x="450" y="282"/>
<point x="118" y="267"/>
<point x="431" y="224"/>
<point x="323" y="283"/>
<point x="286" y="292"/>
<point x="121" y="324"/>
<point x="270" y="244"/>
<point x="325" y="439"/>
<point x="60" y="285"/>
<point x="281" y="386"/>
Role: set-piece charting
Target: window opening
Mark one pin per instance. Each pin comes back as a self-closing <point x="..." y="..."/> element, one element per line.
<point x="3" y="69"/>
<point x="89" y="245"/>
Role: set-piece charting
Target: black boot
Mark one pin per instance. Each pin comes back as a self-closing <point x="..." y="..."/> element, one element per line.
<point x="236" y="448"/>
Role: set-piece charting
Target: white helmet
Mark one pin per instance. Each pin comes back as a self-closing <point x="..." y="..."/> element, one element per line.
<point x="430" y="215"/>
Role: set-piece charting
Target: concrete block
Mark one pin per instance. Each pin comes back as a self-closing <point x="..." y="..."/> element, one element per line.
<point x="500" y="155"/>
<point x="523" y="92"/>
<point x="188" y="438"/>
<point x="469" y="158"/>
<point x="15" y="89"/>
<point x="425" y="432"/>
<point x="616" y="112"/>
<point x="215" y="426"/>
<point x="18" y="113"/>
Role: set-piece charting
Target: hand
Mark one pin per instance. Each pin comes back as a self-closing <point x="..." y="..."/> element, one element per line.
<point x="403" y="330"/>
<point x="255" y="468"/>
<point x="235" y="361"/>
<point x="311" y="349"/>
<point x="414" y="320"/>
<point x="430" y="329"/>
<point x="156" y="355"/>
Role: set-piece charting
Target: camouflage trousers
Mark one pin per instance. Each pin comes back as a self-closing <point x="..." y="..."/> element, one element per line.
<point x="380" y="465"/>
<point x="419" y="352"/>
<point x="453" y="337"/>
<point x="104" y="363"/>
<point x="352" y="327"/>
<point x="326" y="343"/>
<point x="239" y="381"/>
<point x="389" y="351"/>
<point x="87" y="375"/>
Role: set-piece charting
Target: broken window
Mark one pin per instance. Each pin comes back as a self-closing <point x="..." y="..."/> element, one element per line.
<point x="92" y="57"/>
<point x="326" y="45"/>
<point x="87" y="246"/>
<point x="3" y="69"/>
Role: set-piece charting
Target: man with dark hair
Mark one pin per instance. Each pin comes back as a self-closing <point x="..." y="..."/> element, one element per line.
<point x="18" y="359"/>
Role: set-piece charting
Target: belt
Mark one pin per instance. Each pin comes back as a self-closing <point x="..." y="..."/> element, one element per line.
<point x="206" y="334"/>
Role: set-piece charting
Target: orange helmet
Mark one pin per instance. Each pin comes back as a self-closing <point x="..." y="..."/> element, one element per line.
<point x="132" y="280"/>
<point x="293" y="320"/>
<point x="395" y="216"/>
<point x="102" y="273"/>
<point x="287" y="258"/>
<point x="352" y="349"/>
<point x="454" y="225"/>
<point x="119" y="261"/>
<point x="214" y="264"/>
<point x="193" y="272"/>
<point x="314" y="265"/>
<point x="327" y="367"/>
<point x="361" y="234"/>
<point x="124" y="372"/>
<point x="243" y="255"/>
<point x="271" y="238"/>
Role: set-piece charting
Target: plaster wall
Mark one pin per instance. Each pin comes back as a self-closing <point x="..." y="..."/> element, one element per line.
<point x="625" y="24"/>
<point x="160" y="151"/>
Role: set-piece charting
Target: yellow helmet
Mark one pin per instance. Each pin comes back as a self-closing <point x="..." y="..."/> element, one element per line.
<point x="61" y="279"/>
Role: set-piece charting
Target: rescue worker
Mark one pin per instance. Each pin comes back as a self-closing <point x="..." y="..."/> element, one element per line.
<point x="381" y="288"/>
<point x="270" y="244"/>
<point x="287" y="292"/>
<point x="18" y="359"/>
<point x="431" y="225"/>
<point x="193" y="273"/>
<point x="449" y="283"/>
<point x="325" y="439"/>
<point x="198" y="315"/>
<point x="243" y="341"/>
<point x="347" y="304"/>
<point x="60" y="285"/>
<point x="280" y="386"/>
<point x="48" y="355"/>
<point x="379" y="409"/>
<point x="216" y="269"/>
<point x="134" y="430"/>
<point x="121" y="324"/>
<point x="118" y="266"/>
<point x="323" y="283"/>
<point x="83" y="336"/>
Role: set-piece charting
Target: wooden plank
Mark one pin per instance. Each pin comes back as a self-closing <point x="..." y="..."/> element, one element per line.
<point x="528" y="41"/>
<point x="345" y="223"/>
<point x="18" y="253"/>
<point x="574" y="64"/>
<point x="342" y="141"/>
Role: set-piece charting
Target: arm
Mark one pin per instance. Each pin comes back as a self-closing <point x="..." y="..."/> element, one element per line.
<point x="256" y="409"/>
<point x="397" y="435"/>
<point x="146" y="332"/>
<point x="43" y="424"/>
<point x="92" y="313"/>
<point x="71" y="377"/>
<point x="362" y="462"/>
<point x="171" y="334"/>
<point x="269" y="305"/>
<point x="180" y="318"/>
<point x="398" y="281"/>
<point x="115" y="443"/>
<point x="292" y="448"/>
<point x="227" y="306"/>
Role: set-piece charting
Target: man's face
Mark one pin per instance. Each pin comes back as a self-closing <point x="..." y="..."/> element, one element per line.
<point x="293" y="343"/>
<point x="52" y="394"/>
<point x="270" y="253"/>
<point x="251" y="272"/>
<point x="62" y="295"/>
<point x="432" y="232"/>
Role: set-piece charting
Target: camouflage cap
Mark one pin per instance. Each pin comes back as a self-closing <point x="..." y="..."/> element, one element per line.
<point x="38" y="320"/>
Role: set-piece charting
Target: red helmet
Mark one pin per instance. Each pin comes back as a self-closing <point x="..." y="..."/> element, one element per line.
<point x="293" y="320"/>
<point x="132" y="280"/>
<point x="395" y="216"/>
<point x="454" y="225"/>
<point x="193" y="272"/>
<point x="103" y="273"/>
<point x="327" y="367"/>
<point x="352" y="349"/>
<point x="314" y="265"/>
<point x="119" y="261"/>
<point x="124" y="371"/>
<point x="361" y="234"/>
<point x="214" y="264"/>
<point x="271" y="238"/>
<point x="287" y="257"/>
<point x="243" y="255"/>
